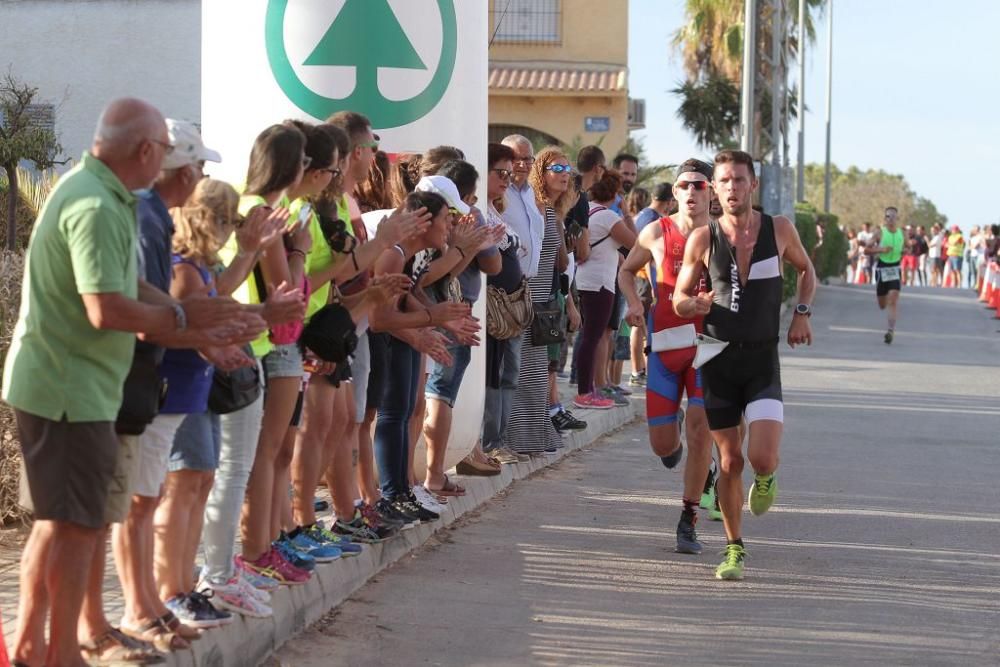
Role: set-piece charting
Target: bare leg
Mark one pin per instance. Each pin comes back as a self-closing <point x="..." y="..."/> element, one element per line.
<point x="730" y="484"/>
<point x="339" y="473"/>
<point x="366" y="460"/>
<point x="281" y="509"/>
<point x="255" y="522"/>
<point x="180" y="502"/>
<point x="92" y="622"/>
<point x="132" y="545"/>
<point x="29" y="639"/>
<point x="638" y="346"/>
<point x="437" y="428"/>
<point x="762" y="452"/>
<point x="699" y="454"/>
<point x="312" y="456"/>
<point x="195" y="525"/>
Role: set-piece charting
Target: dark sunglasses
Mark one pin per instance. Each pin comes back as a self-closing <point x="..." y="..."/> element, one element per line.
<point x="559" y="169"/>
<point x="502" y="173"/>
<point x="697" y="185"/>
<point x="333" y="171"/>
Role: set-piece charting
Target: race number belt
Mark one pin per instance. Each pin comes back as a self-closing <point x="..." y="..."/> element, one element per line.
<point x="887" y="274"/>
<point x="675" y="338"/>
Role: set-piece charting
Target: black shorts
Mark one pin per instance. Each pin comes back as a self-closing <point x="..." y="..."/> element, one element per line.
<point x="617" y="310"/>
<point x="70" y="467"/>
<point x="884" y="287"/>
<point x="744" y="379"/>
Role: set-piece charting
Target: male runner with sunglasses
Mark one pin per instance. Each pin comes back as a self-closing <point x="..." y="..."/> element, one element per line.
<point x="888" y="246"/>
<point x="660" y="247"/>
<point x="743" y="253"/>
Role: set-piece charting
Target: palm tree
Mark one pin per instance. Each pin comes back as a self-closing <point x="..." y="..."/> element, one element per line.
<point x="711" y="44"/>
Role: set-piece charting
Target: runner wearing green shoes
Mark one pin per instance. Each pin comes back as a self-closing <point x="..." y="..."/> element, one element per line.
<point x="744" y="252"/>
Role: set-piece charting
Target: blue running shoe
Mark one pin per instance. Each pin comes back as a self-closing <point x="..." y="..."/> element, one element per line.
<point x="322" y="553"/>
<point x="289" y="552"/>
<point x="319" y="533"/>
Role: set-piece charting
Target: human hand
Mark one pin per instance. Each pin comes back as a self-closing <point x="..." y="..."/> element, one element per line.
<point x="207" y="312"/>
<point x="703" y="303"/>
<point x="447" y="311"/>
<point x="435" y="345"/>
<point x="464" y="329"/>
<point x="402" y="225"/>
<point x="634" y="315"/>
<point x="387" y="287"/>
<point x="800" y="331"/>
<point x="300" y="236"/>
<point x="261" y="227"/>
<point x="284" y="304"/>
<point x="227" y="358"/>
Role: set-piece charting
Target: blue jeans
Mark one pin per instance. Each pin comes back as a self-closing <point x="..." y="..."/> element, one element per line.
<point x="501" y="385"/>
<point x="399" y="396"/>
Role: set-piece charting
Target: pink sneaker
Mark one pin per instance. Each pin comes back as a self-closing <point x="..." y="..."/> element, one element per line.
<point x="288" y="574"/>
<point x="593" y="402"/>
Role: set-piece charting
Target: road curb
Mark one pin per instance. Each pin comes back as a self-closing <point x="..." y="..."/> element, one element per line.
<point x="250" y="641"/>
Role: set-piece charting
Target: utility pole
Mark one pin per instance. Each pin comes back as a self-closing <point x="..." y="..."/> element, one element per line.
<point x="777" y="99"/>
<point x="829" y="104"/>
<point x="749" y="74"/>
<point x="800" y="188"/>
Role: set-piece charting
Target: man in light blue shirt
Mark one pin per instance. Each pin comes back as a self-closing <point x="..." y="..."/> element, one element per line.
<point x="662" y="205"/>
<point x="521" y="213"/>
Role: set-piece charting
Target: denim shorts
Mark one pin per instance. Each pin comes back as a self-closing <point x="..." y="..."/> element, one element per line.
<point x="443" y="382"/>
<point x="197" y="443"/>
<point x="623" y="348"/>
<point x="283" y="361"/>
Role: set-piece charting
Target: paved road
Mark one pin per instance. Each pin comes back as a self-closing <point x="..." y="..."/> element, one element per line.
<point x="884" y="547"/>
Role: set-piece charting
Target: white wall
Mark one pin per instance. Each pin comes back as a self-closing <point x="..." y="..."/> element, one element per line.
<point x="83" y="53"/>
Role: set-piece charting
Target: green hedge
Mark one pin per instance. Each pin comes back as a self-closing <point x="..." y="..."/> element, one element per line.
<point x="830" y="258"/>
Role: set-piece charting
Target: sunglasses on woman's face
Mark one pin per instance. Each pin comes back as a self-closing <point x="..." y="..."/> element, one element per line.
<point x="696" y="185"/>
<point x="559" y="169"/>
<point x="504" y="174"/>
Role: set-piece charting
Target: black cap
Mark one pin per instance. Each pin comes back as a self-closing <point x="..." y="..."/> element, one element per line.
<point x="330" y="334"/>
<point x="663" y="192"/>
<point x="696" y="166"/>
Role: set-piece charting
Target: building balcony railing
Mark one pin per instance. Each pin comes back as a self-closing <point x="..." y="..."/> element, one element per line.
<point x="526" y="22"/>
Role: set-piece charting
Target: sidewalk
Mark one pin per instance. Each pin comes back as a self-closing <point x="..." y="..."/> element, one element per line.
<point x="250" y="641"/>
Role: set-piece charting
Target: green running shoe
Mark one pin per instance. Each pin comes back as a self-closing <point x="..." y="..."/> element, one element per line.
<point x="731" y="567"/>
<point x="762" y="494"/>
<point x="715" y="512"/>
<point x="708" y="495"/>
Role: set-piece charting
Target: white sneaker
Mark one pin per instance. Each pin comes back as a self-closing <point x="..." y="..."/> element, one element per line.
<point x="427" y="499"/>
<point x="248" y="587"/>
<point x="231" y="596"/>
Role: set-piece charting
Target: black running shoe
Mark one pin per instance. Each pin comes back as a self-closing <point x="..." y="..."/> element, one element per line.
<point x="888" y="337"/>
<point x="409" y="507"/>
<point x="672" y="460"/>
<point x="565" y="421"/>
<point x="687" y="537"/>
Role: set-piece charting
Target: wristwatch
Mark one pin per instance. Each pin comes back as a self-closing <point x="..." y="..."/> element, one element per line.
<point x="804" y="309"/>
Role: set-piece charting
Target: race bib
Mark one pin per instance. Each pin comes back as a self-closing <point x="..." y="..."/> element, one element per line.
<point x="887" y="274"/>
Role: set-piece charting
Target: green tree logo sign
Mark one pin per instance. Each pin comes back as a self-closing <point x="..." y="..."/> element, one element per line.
<point x="367" y="36"/>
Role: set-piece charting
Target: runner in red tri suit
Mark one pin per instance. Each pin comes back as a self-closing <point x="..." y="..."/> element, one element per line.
<point x="660" y="248"/>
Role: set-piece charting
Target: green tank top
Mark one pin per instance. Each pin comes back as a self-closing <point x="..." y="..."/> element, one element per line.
<point x="892" y="240"/>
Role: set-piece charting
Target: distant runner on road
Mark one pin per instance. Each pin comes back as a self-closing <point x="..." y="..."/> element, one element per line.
<point x="888" y="245"/>
<point x="672" y="342"/>
<point x="744" y="252"/>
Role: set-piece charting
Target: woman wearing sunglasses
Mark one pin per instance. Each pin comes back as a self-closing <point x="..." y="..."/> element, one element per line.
<point x="596" y="280"/>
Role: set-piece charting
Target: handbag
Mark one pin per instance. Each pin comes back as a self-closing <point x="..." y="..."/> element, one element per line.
<point x="508" y="315"/>
<point x="548" y="325"/>
<point x="236" y="389"/>
<point x="142" y="394"/>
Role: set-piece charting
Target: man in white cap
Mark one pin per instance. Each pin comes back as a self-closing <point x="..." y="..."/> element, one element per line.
<point x="132" y="502"/>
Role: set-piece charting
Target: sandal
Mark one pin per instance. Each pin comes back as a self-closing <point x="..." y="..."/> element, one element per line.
<point x="449" y="488"/>
<point x="173" y="624"/>
<point x="159" y="635"/>
<point x="114" y="648"/>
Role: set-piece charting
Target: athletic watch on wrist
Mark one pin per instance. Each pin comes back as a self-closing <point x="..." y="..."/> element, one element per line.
<point x="804" y="309"/>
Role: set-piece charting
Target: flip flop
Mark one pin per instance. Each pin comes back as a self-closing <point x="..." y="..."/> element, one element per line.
<point x="449" y="488"/>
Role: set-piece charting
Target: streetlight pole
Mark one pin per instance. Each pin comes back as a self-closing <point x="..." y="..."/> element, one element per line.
<point x="829" y="105"/>
<point x="749" y="74"/>
<point x="800" y="188"/>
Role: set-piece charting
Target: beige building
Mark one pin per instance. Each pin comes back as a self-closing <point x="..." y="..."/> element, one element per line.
<point x="559" y="72"/>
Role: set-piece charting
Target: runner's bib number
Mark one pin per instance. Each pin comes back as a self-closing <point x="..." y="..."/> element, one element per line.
<point x="887" y="274"/>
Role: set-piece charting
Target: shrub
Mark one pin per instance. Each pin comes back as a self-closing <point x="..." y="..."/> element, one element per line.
<point x="11" y="271"/>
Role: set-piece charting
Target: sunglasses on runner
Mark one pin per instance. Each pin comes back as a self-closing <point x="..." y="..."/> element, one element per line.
<point x="697" y="185"/>
<point x="559" y="169"/>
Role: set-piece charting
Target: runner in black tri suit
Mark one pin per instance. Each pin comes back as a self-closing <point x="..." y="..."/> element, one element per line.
<point x="744" y="252"/>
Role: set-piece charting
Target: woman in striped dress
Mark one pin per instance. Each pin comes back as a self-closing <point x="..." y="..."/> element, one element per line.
<point x="531" y="430"/>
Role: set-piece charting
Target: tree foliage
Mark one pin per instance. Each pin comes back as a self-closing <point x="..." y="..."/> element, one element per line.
<point x="21" y="139"/>
<point x="858" y="196"/>
<point x="711" y="45"/>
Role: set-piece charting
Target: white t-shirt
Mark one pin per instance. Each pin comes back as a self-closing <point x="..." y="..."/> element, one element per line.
<point x="601" y="268"/>
<point x="934" y="246"/>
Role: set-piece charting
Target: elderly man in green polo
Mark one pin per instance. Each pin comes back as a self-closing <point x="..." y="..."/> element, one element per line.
<point x="81" y="306"/>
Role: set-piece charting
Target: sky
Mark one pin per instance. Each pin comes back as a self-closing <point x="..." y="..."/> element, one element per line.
<point x="915" y="92"/>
